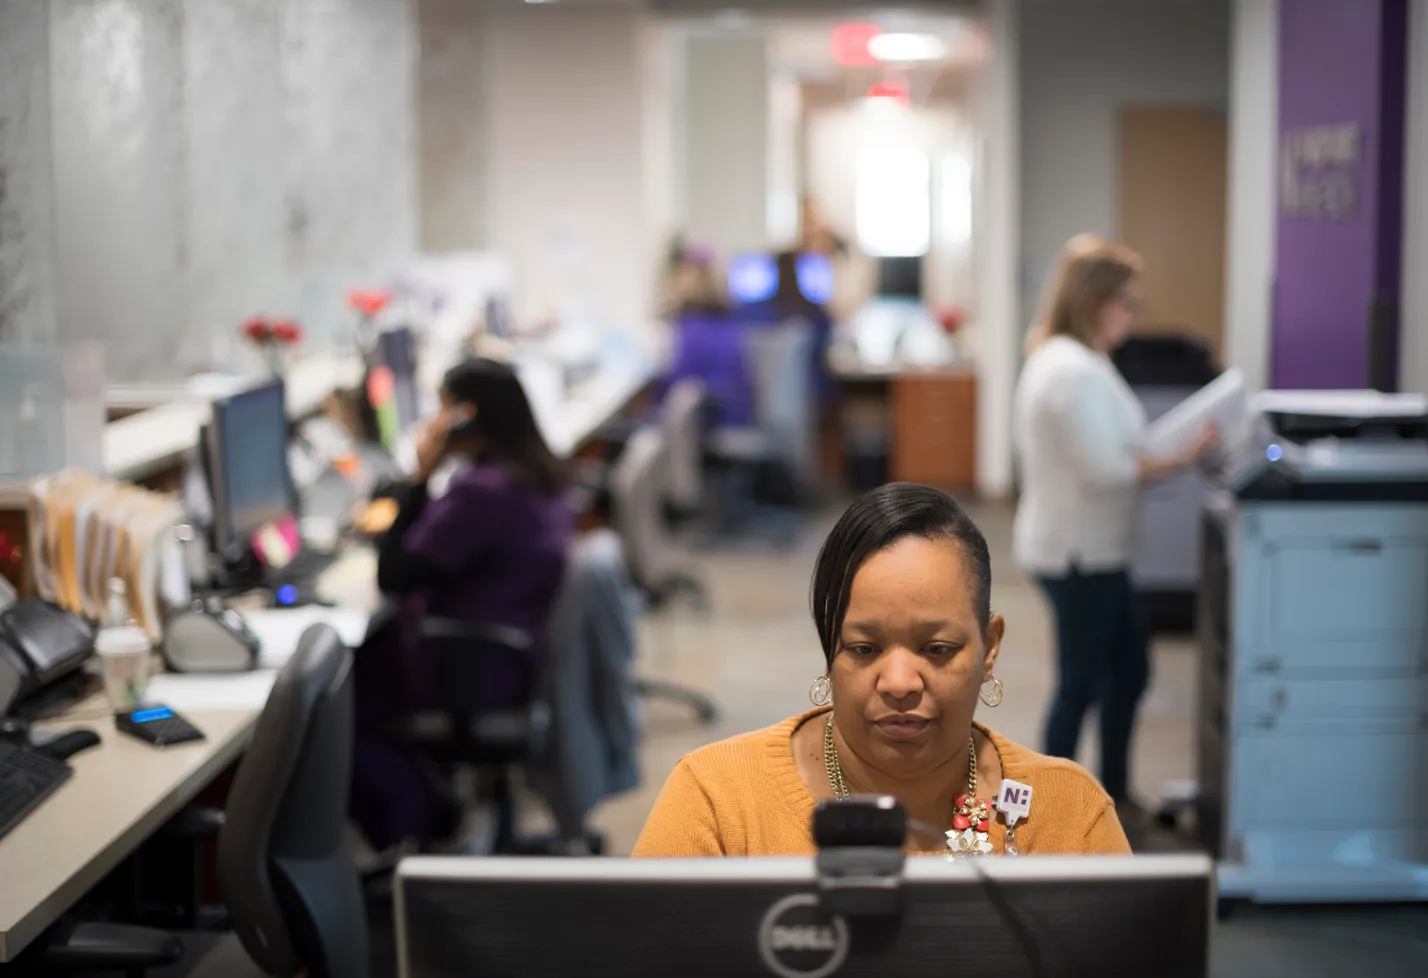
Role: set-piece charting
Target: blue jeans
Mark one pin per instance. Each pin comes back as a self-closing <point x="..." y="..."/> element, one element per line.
<point x="1103" y="658"/>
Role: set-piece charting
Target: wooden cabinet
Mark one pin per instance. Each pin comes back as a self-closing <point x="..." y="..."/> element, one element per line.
<point x="934" y="429"/>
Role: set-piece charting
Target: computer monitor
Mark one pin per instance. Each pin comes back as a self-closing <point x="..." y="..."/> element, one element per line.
<point x="391" y="386"/>
<point x="753" y="277"/>
<point x="247" y="458"/>
<point x="1109" y="916"/>
<point x="816" y="277"/>
<point x="900" y="278"/>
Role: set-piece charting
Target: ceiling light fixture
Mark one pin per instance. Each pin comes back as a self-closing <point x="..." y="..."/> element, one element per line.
<point x="907" y="47"/>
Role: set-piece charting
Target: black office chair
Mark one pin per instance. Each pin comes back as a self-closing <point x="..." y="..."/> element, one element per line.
<point x="286" y="873"/>
<point x="287" y="879"/>
<point x="638" y="486"/>
<point x="466" y="731"/>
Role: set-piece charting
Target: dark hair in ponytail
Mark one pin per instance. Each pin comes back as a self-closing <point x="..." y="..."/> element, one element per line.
<point x="874" y="523"/>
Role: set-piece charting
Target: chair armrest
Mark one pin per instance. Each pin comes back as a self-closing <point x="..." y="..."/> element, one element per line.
<point x="475" y="633"/>
<point x="196" y="822"/>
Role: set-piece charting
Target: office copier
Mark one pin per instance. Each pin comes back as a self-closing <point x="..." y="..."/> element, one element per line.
<point x="1312" y="756"/>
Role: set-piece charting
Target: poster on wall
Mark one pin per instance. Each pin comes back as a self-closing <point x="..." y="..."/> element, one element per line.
<point x="1319" y="172"/>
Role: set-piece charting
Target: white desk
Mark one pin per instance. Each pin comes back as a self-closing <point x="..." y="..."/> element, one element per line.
<point x="589" y="407"/>
<point x="144" y="443"/>
<point x="845" y="364"/>
<point x="121" y="792"/>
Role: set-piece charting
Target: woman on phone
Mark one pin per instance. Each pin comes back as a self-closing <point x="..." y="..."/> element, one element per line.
<point x="491" y="550"/>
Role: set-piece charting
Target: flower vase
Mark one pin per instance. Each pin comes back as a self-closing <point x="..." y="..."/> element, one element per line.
<point x="274" y="355"/>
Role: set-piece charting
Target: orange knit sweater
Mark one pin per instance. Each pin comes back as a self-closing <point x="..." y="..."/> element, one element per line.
<point x="744" y="797"/>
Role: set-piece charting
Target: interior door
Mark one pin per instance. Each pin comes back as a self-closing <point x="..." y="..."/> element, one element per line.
<point x="1172" y="210"/>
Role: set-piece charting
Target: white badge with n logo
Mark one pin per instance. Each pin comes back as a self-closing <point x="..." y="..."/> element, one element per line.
<point x="1014" y="800"/>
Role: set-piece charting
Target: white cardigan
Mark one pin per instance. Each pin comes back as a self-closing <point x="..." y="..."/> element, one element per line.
<point x="1078" y="431"/>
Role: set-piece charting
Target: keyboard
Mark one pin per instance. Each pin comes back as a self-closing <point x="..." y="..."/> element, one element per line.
<point x="302" y="571"/>
<point x="27" y="778"/>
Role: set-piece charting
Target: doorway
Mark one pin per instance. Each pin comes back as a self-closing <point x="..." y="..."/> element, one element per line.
<point x="1172" y="210"/>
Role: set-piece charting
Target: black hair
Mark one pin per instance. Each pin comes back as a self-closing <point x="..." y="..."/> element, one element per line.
<point x="875" y="522"/>
<point x="504" y="422"/>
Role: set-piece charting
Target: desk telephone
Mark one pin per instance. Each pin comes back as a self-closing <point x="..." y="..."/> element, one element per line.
<point x="40" y="644"/>
<point x="208" y="636"/>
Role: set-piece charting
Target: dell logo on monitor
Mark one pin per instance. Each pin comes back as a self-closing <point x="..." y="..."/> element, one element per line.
<point x="798" y="939"/>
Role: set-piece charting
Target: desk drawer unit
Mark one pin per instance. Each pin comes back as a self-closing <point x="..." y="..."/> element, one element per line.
<point x="934" y="437"/>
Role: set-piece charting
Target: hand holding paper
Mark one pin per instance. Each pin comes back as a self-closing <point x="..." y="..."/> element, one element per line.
<point x="1197" y="425"/>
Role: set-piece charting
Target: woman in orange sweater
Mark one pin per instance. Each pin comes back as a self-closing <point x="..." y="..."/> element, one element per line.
<point x="902" y="602"/>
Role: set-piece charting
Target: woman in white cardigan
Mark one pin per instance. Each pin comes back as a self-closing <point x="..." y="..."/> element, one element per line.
<point x="1079" y="433"/>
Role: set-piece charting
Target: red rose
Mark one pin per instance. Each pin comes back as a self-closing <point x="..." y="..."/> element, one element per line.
<point x="286" y="331"/>
<point x="368" y="302"/>
<point x="257" y="329"/>
<point x="951" y="319"/>
<point x="9" y="554"/>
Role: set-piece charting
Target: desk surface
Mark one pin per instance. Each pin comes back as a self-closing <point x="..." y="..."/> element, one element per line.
<point x="845" y="364"/>
<point x="122" y="791"/>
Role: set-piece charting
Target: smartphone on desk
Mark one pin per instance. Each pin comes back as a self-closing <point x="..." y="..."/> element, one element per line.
<point x="157" y="725"/>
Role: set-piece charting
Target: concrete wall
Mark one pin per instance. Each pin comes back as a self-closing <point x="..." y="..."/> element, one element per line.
<point x="173" y="166"/>
<point x="1080" y="62"/>
<point x="726" y="133"/>
<point x="27" y="247"/>
<point x="568" y="157"/>
<point x="452" y="138"/>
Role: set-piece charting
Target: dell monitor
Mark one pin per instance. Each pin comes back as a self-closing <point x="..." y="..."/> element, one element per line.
<point x="1109" y="916"/>
<point x="247" y="457"/>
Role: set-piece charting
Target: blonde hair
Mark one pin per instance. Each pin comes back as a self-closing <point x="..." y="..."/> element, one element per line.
<point x="1088" y="274"/>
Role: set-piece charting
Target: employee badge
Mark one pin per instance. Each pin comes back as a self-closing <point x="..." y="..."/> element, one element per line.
<point x="1014" y="802"/>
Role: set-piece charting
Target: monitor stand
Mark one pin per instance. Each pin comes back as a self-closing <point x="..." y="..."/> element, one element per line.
<point x="291" y="586"/>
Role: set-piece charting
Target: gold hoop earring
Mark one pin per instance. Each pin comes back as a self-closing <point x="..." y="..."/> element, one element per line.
<point x="821" y="692"/>
<point x="994" y="697"/>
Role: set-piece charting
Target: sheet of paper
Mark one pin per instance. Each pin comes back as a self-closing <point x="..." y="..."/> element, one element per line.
<point x="239" y="691"/>
<point x="278" y="629"/>
<point x="1223" y="402"/>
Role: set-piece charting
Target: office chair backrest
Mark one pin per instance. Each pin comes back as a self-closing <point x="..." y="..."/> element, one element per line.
<point x="287" y="877"/>
<point x="684" y="438"/>
<point x="637" y="488"/>
<point x="782" y="358"/>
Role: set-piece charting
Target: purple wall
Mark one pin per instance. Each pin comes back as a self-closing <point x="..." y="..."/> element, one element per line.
<point x="1337" y="271"/>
